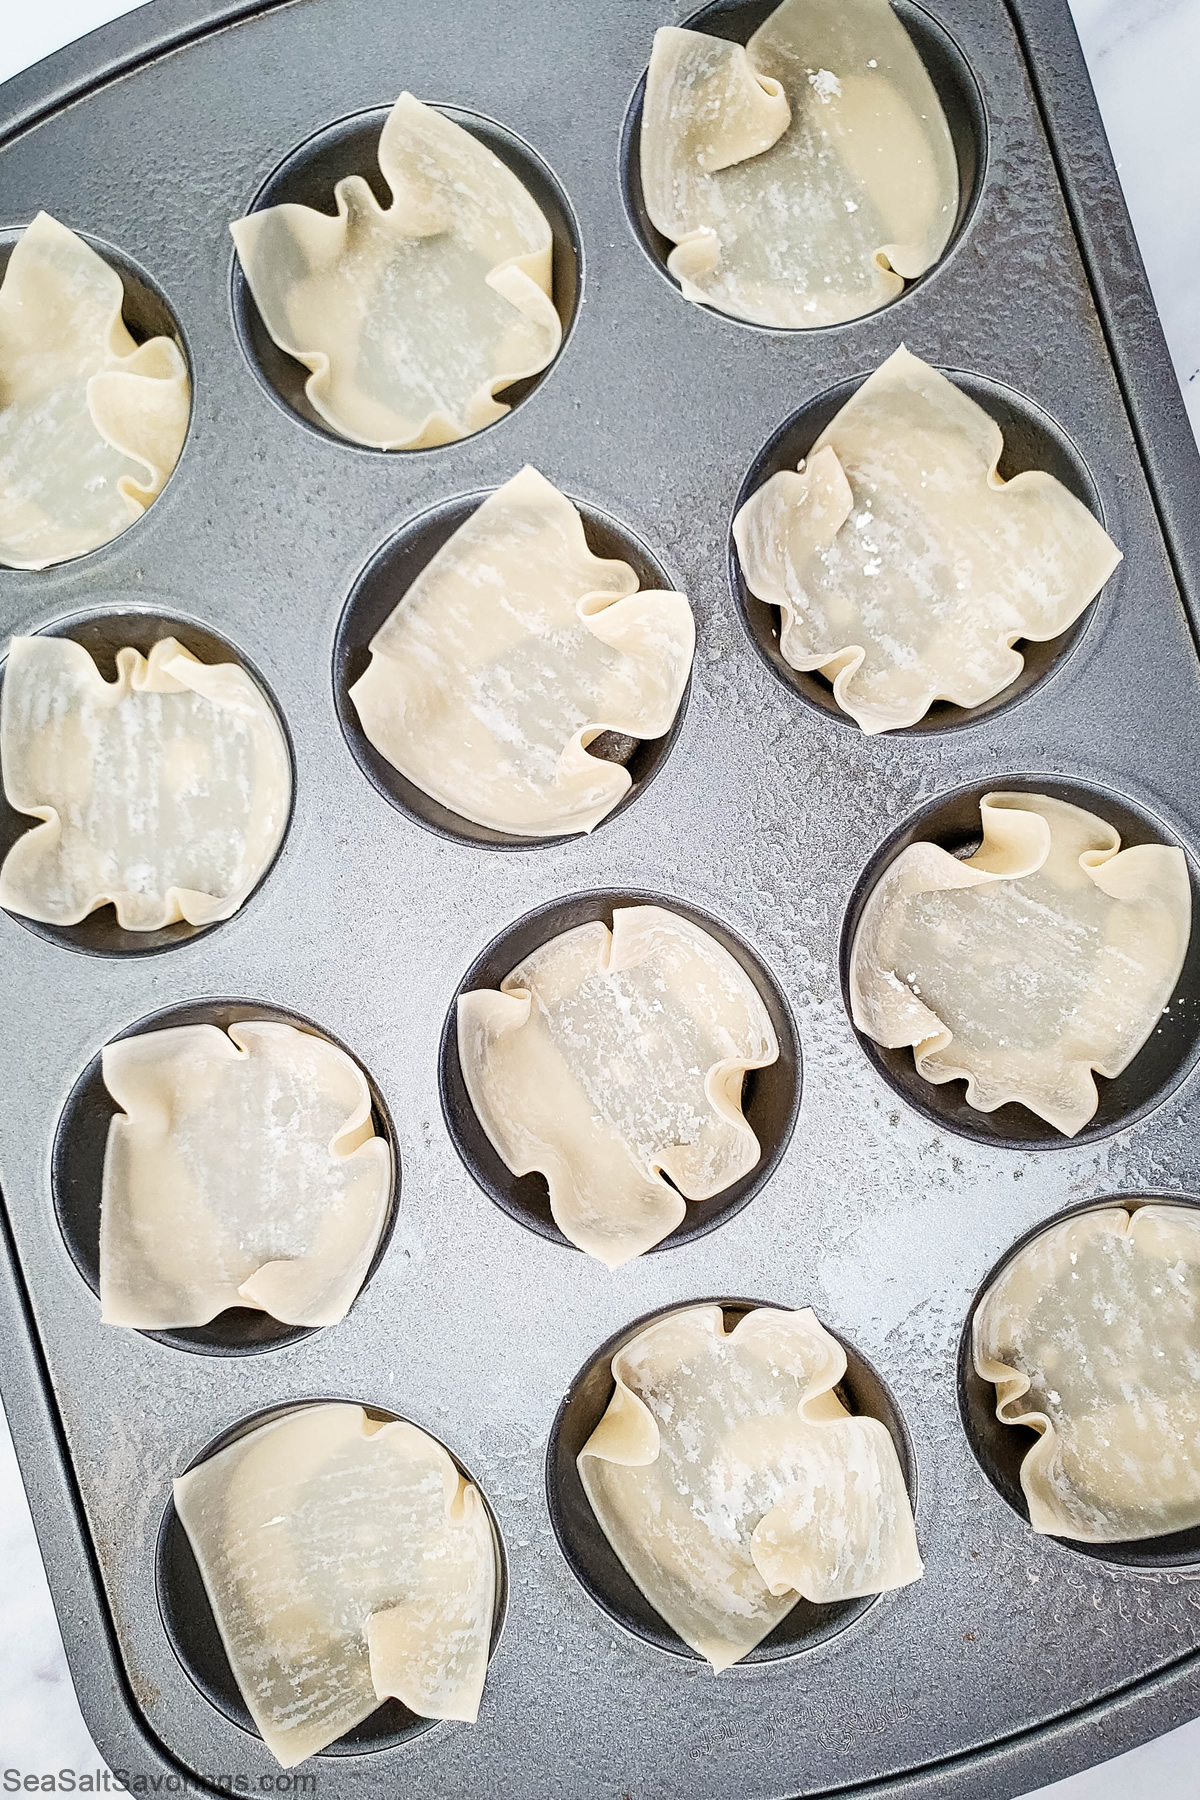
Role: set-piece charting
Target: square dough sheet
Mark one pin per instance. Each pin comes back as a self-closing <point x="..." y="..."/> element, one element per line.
<point x="1091" y="1335"/>
<point x="91" y="423"/>
<point x="611" y="1060"/>
<point x="411" y="317"/>
<point x="514" y="649"/>
<point x="165" y="792"/>
<point x="243" y="1170"/>
<point x="805" y="177"/>
<point x="346" y="1561"/>
<point x="731" y="1481"/>
<point x="1049" y="953"/>
<point x="905" y="568"/>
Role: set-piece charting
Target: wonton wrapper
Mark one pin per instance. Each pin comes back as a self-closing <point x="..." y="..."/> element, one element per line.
<point x="607" y="1057"/>
<point x="805" y="177"/>
<point x="411" y="318"/>
<point x="165" y="791"/>
<point x="1092" y="1337"/>
<point x="904" y="566"/>
<point x="243" y="1171"/>
<point x="91" y="423"/>
<point x="732" y="1482"/>
<point x="510" y="652"/>
<point x="1048" y="953"/>
<point x="347" y="1561"/>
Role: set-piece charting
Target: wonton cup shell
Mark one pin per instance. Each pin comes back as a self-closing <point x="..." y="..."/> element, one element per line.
<point x="1073" y="863"/>
<point x="511" y="652"/>
<point x="541" y="1108"/>
<point x="77" y="1173"/>
<point x="208" y="1205"/>
<point x="419" y="1628"/>
<point x="904" y="567"/>
<point x="452" y="200"/>
<point x="91" y="422"/>
<point x="829" y="99"/>
<point x="1116" y="1456"/>
<point x="744" y="1427"/>
<point x="59" y="871"/>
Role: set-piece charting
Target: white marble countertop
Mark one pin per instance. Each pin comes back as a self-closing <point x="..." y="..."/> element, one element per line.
<point x="1144" y="56"/>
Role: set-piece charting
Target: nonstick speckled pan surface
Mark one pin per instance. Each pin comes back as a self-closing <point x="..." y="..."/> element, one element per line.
<point x="1016" y="1659"/>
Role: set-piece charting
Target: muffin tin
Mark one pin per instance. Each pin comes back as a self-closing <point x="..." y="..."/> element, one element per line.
<point x="1017" y="1658"/>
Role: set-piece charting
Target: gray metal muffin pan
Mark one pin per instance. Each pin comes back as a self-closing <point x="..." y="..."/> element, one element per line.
<point x="1016" y="1659"/>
